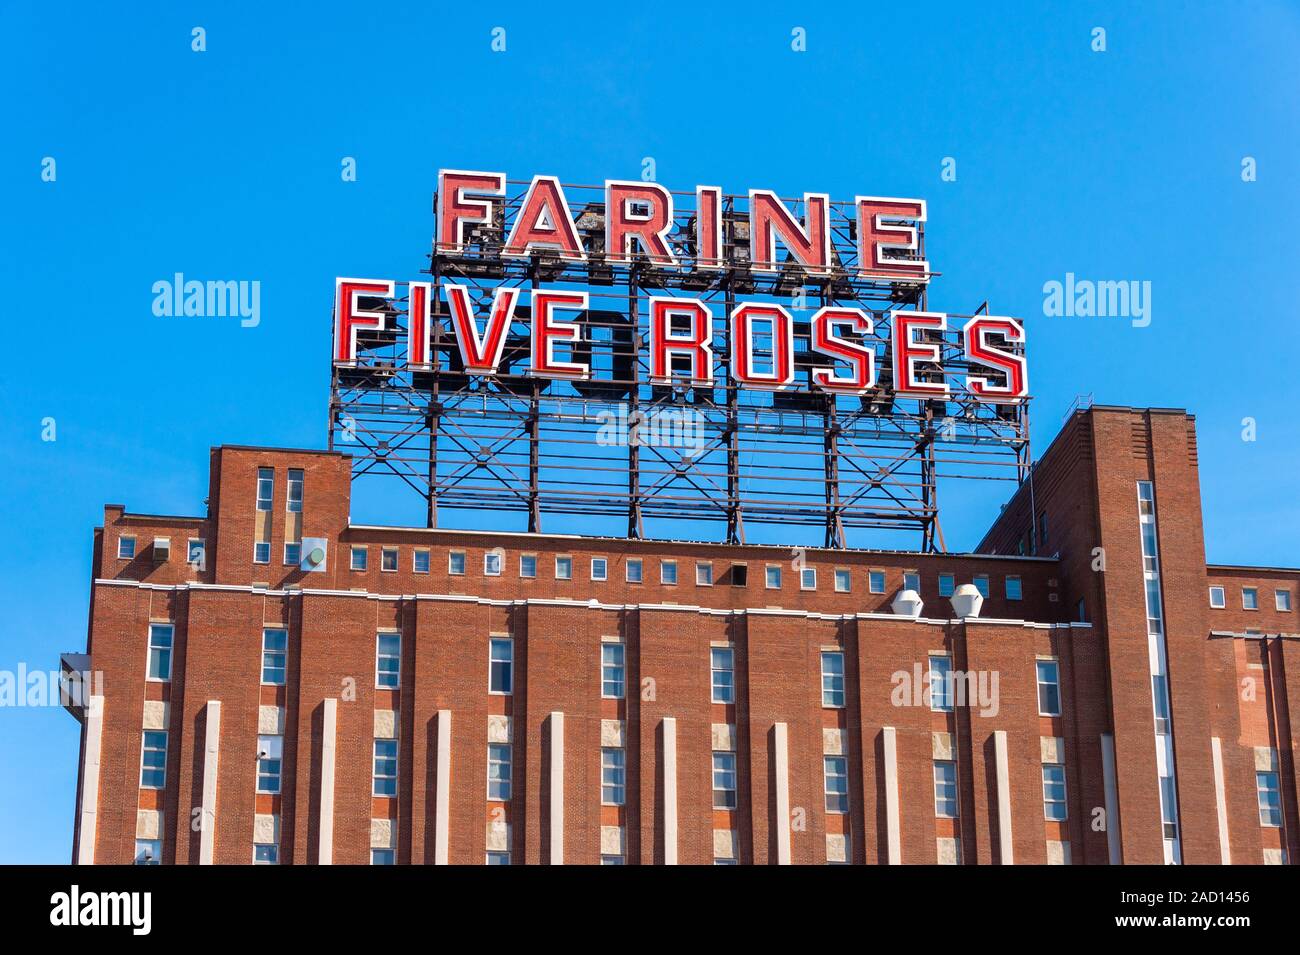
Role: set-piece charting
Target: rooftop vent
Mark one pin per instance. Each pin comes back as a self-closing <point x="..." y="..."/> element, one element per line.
<point x="967" y="601"/>
<point x="907" y="604"/>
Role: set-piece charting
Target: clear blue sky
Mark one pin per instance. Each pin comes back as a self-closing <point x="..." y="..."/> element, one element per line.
<point x="225" y="164"/>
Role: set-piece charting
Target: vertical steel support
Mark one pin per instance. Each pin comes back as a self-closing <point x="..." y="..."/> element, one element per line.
<point x="635" y="528"/>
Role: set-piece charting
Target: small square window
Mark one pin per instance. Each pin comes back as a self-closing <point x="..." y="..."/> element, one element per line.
<point x="499" y="772"/>
<point x="808" y="578"/>
<point x="633" y="570"/>
<point x="126" y="548"/>
<point x="383" y="857"/>
<point x="613" y="776"/>
<point x="1013" y="588"/>
<point x="528" y="565"/>
<point x="160" y="651"/>
<point x="292" y="554"/>
<point x="832" y="678"/>
<point x="388" y="559"/>
<point x="599" y="568"/>
<point x="498" y="858"/>
<point x="359" y="558"/>
<point x="981" y="583"/>
<point x="262" y="552"/>
<point x="703" y="573"/>
<point x="773" y="577"/>
<point x="492" y="563"/>
<point x="153" y="760"/>
<point x="275" y="649"/>
<point x="385" y="776"/>
<point x="836" y="771"/>
<point x="266" y="854"/>
<point x="1217" y="598"/>
<point x="1282" y="600"/>
<point x="724" y="780"/>
<point x="1249" y="598"/>
<point x="456" y="563"/>
<point x="912" y="581"/>
<point x="1054" y="805"/>
<point x="196" y="553"/>
<point x="611" y="860"/>
<point x="876" y="581"/>
<point x="739" y="575"/>
<point x="612" y="680"/>
<point x="945" y="788"/>
<point x="668" y="572"/>
<point x="420" y="562"/>
<point x="564" y="568"/>
<point x="946" y="585"/>
<point x="388" y="661"/>
<point x="843" y="580"/>
<point x="1049" y="688"/>
<point x="270" y="761"/>
<point x="722" y="668"/>
<point x="148" y="852"/>
<point x="501" y="662"/>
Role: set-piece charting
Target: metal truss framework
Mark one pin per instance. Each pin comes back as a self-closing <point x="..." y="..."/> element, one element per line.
<point x="618" y="445"/>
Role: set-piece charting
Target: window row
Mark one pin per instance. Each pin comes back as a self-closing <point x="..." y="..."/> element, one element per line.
<point x="195" y="549"/>
<point x="634" y="571"/>
<point x="1250" y="598"/>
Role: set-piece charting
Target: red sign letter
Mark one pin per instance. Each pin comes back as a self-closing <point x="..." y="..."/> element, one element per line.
<point x="622" y="223"/>
<point x="907" y="352"/>
<point x="810" y="244"/>
<point x="417" y="324"/>
<point x="481" y="354"/>
<point x="875" y="238"/>
<point x="454" y="210"/>
<point x="544" y="220"/>
<point x="546" y="330"/>
<point x="696" y="343"/>
<point x="708" y="227"/>
<point x="976" y="333"/>
<point x="862" y="358"/>
<point x="348" y="318"/>
<point x="742" y="346"/>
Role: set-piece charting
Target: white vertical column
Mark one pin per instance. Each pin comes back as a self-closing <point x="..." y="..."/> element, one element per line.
<point x="1112" y="796"/>
<point x="893" y="828"/>
<point x="211" y="757"/>
<point x="1220" y="801"/>
<point x="781" y="765"/>
<point x="1006" y="852"/>
<point x="442" y="797"/>
<point x="670" y="790"/>
<point x="557" y="788"/>
<point x="329" y="734"/>
<point x="88" y="818"/>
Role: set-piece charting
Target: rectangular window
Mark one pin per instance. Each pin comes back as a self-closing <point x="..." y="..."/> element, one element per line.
<point x="528" y="566"/>
<point x="270" y="756"/>
<point x="722" y="663"/>
<point x="262" y="552"/>
<point x="1049" y="688"/>
<point x="740" y="575"/>
<point x="773" y="577"/>
<point x="292" y="554"/>
<point x="1249" y="598"/>
<point x="385" y="778"/>
<point x="946" y="585"/>
<point x="294" y="497"/>
<point x="668" y="572"/>
<point x="126" y="548"/>
<point x="704" y="574"/>
<point x="265" y="488"/>
<point x="196" y="552"/>
<point x="1270" y="806"/>
<point x="148" y="851"/>
<point x="456" y="563"/>
<point x="420" y="562"/>
<point x="613" y="776"/>
<point x="611" y="671"/>
<point x="388" y="661"/>
<point x="1168" y="807"/>
<point x="492" y="564"/>
<point x="1282" y="600"/>
<point x="1013" y="588"/>
<point x="564" y="568"/>
<point x="498" y="858"/>
<point x="359" y="558"/>
<point x="160" y="651"/>
<point x="1054" y="792"/>
<point x="941" y="683"/>
<point x="724" y="780"/>
<point x="153" y="760"/>
<point x="832" y="678"/>
<point x="611" y="860"/>
<point x="1042" y="529"/>
<point x="599" y="568"/>
<point x="844" y="581"/>
<point x="632" y="570"/>
<point x="945" y="788"/>
<point x="266" y="854"/>
<point x="501" y="659"/>
<point x="499" y="772"/>
<point x="1217" y="599"/>
<point x="1081" y="611"/>
<point x="876" y="581"/>
<point x="388" y="559"/>
<point x="808" y="578"/>
<point x="383" y="857"/>
<point x="275" y="647"/>
<point x="836" y="772"/>
<point x="1160" y="702"/>
<point x="912" y="581"/>
<point x="981" y="583"/>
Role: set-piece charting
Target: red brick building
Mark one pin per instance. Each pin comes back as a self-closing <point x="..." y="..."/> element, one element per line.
<point x="275" y="683"/>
